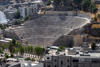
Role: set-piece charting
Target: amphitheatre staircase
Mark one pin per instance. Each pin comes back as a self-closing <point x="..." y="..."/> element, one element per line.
<point x="45" y="30"/>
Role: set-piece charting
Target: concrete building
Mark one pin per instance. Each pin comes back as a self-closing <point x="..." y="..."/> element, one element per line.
<point x="10" y="12"/>
<point x="3" y="2"/>
<point x="22" y="11"/>
<point x="31" y="10"/>
<point x="28" y="10"/>
<point x="63" y="59"/>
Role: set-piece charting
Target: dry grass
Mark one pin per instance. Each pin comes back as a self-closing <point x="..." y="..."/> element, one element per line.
<point x="95" y="26"/>
<point x="42" y="12"/>
<point x="93" y="37"/>
<point x="48" y="6"/>
<point x="88" y="13"/>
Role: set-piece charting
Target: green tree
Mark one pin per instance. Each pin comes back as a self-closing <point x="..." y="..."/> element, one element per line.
<point x="57" y="2"/>
<point x="39" y="50"/>
<point x="95" y="19"/>
<point x="6" y="55"/>
<point x="17" y="15"/>
<point x="21" y="50"/>
<point x="2" y="27"/>
<point x="3" y="46"/>
<point x="26" y="18"/>
<point x="93" y="45"/>
<point x="13" y="50"/>
<point x="48" y="2"/>
<point x="17" y="22"/>
<point x="16" y="51"/>
<point x="61" y="48"/>
<point x="85" y="4"/>
<point x="10" y="46"/>
<point x="31" y="49"/>
<point x="16" y="45"/>
<point x="77" y="1"/>
<point x="93" y="7"/>
<point x="26" y="49"/>
<point x="14" y="41"/>
<point x="1" y="51"/>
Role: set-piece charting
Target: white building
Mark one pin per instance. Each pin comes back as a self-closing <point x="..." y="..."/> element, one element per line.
<point x="22" y="11"/>
<point x="28" y="10"/>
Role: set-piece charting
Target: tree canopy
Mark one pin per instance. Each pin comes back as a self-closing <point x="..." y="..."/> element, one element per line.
<point x="26" y="18"/>
<point x="14" y="41"/>
<point x="39" y="50"/>
<point x="61" y="48"/>
<point x="86" y="5"/>
<point x="77" y="1"/>
<point x="2" y="26"/>
<point x="48" y="2"/>
<point x="17" y="22"/>
<point x="17" y="15"/>
<point x="21" y="50"/>
<point x="93" y="45"/>
<point x="93" y="7"/>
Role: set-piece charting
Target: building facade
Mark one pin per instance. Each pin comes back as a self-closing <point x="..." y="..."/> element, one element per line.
<point x="31" y="10"/>
<point x="3" y="2"/>
<point x="69" y="61"/>
<point x="22" y="11"/>
<point x="10" y="13"/>
<point x="28" y="10"/>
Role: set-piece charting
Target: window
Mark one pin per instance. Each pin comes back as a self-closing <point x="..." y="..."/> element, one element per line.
<point x="47" y="57"/>
<point x="55" y="60"/>
<point x="75" y="60"/>
<point x="61" y="62"/>
<point x="67" y="60"/>
<point x="48" y="66"/>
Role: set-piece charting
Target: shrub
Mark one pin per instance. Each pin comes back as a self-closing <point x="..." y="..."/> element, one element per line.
<point x="17" y="22"/>
<point x="61" y="48"/>
<point x="17" y="15"/>
<point x="27" y="58"/>
<point x="95" y="19"/>
<point x="26" y="18"/>
<point x="32" y="59"/>
<point x="12" y="55"/>
<point x="48" y="2"/>
<point x="6" y="55"/>
<point x="93" y="45"/>
<point x="1" y="51"/>
<point x="2" y="27"/>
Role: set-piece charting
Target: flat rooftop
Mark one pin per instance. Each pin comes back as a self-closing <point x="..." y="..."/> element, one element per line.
<point x="65" y="53"/>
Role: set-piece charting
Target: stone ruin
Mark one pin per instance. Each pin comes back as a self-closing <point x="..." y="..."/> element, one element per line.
<point x="48" y="30"/>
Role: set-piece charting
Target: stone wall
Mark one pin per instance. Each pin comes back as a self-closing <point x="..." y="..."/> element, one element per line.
<point x="9" y="34"/>
<point x="64" y="40"/>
